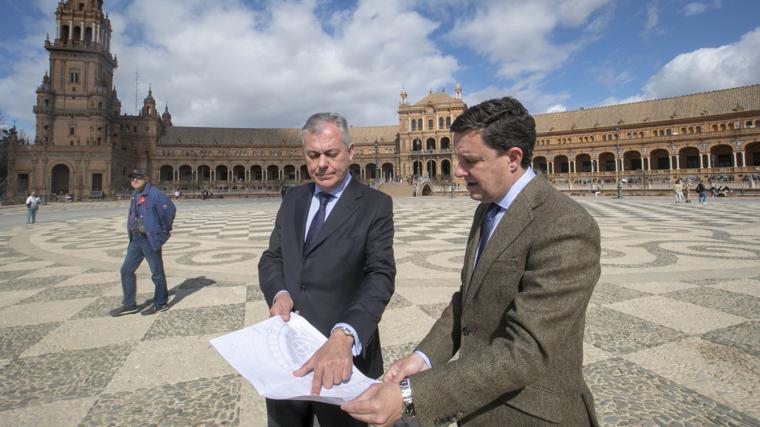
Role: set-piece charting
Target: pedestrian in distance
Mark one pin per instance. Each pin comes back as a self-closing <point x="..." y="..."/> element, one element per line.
<point x="149" y="223"/>
<point x="32" y="205"/>
<point x="702" y="191"/>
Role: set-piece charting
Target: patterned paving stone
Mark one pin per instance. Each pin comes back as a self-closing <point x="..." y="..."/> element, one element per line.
<point x="607" y="293"/>
<point x="207" y="401"/>
<point x="741" y="305"/>
<point x="397" y="301"/>
<point x="68" y="292"/>
<point x="434" y="310"/>
<point x="394" y="352"/>
<point x="14" y="340"/>
<point x="617" y="332"/>
<point x="253" y="293"/>
<point x="628" y="395"/>
<point x="744" y="337"/>
<point x="197" y="321"/>
<point x="56" y="376"/>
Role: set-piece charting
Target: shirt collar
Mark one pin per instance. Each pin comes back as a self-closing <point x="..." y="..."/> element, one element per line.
<point x="516" y="188"/>
<point x="338" y="190"/>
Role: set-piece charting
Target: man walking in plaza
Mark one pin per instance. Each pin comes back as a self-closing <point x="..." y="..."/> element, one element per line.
<point x="149" y="223"/>
<point x="330" y="258"/>
<point x="32" y="205"/>
<point x="517" y="322"/>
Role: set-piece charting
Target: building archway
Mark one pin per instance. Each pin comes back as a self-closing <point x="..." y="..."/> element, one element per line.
<point x="583" y="163"/>
<point x="752" y="153"/>
<point x="659" y="159"/>
<point x="387" y="169"/>
<point x="430" y="144"/>
<point x="446" y="168"/>
<point x="238" y="173"/>
<point x="305" y="173"/>
<point x="257" y="174"/>
<point x="290" y="172"/>
<point x="356" y="170"/>
<point x="539" y="164"/>
<point x="166" y="173"/>
<point x="370" y="171"/>
<point x="632" y="161"/>
<point x="185" y="173"/>
<point x="417" y="168"/>
<point x="561" y="164"/>
<point x="721" y="156"/>
<point x="445" y="143"/>
<point x="417" y="145"/>
<point x="204" y="173"/>
<point x="431" y="169"/>
<point x="60" y="179"/>
<point x="221" y="173"/>
<point x="688" y="158"/>
<point x="273" y="173"/>
<point x="607" y="162"/>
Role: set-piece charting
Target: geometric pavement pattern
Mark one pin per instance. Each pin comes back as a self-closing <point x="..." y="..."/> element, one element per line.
<point x="672" y="334"/>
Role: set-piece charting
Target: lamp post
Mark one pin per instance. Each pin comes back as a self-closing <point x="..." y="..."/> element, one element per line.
<point x="644" y="163"/>
<point x="618" y="164"/>
<point x="376" y="162"/>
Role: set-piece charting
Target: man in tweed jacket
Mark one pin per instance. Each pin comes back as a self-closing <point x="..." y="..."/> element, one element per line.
<point x="531" y="263"/>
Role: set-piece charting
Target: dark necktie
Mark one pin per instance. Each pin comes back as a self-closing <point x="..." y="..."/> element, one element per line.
<point x="485" y="230"/>
<point x="318" y="220"/>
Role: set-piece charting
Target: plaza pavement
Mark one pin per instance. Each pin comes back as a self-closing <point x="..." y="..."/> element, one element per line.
<point x="672" y="333"/>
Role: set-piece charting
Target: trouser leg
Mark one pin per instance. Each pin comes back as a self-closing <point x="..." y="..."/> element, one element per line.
<point x="156" y="264"/>
<point x="290" y="413"/>
<point x="128" y="279"/>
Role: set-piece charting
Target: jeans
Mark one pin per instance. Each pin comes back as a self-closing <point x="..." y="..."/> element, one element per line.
<point x="702" y="197"/>
<point x="31" y="215"/>
<point x="139" y="248"/>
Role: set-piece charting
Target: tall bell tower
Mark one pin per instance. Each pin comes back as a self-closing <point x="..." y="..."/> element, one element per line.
<point x="76" y="102"/>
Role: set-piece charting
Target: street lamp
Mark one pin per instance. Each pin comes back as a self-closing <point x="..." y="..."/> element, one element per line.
<point x="376" y="162"/>
<point x="618" y="164"/>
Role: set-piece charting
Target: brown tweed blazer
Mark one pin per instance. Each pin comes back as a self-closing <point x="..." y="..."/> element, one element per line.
<point x="517" y="321"/>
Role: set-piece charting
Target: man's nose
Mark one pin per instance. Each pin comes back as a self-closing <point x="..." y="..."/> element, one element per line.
<point x="322" y="162"/>
<point x="459" y="172"/>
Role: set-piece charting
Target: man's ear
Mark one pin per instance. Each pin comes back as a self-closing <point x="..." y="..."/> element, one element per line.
<point x="515" y="155"/>
<point x="350" y="151"/>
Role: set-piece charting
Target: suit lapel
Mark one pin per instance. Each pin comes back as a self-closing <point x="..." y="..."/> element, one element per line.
<point x="343" y="209"/>
<point x="515" y="221"/>
<point x="301" y="215"/>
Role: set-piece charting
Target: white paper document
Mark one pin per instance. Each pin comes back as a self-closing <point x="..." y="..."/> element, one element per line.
<point x="267" y="353"/>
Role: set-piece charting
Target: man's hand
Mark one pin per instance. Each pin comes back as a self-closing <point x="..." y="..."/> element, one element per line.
<point x="331" y="364"/>
<point x="380" y="405"/>
<point x="405" y="367"/>
<point x="282" y="306"/>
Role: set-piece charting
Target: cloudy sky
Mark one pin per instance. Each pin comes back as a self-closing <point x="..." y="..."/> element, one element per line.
<point x="270" y="63"/>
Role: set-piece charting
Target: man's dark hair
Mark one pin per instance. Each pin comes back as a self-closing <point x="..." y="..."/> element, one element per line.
<point x="503" y="123"/>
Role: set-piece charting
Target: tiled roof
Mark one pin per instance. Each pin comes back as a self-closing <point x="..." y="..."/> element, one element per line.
<point x="269" y="137"/>
<point x="436" y="98"/>
<point x="678" y="107"/>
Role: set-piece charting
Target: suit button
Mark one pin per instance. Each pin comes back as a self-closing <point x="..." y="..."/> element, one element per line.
<point x="466" y="331"/>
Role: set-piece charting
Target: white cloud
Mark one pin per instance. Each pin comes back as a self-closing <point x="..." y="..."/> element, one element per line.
<point x="615" y="101"/>
<point x="706" y="69"/>
<point x="529" y="92"/>
<point x="556" y="108"/>
<point x="699" y="7"/>
<point x="653" y="16"/>
<point x="225" y="64"/>
<point x="517" y="36"/>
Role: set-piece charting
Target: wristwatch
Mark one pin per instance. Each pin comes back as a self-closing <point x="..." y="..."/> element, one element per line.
<point x="406" y="394"/>
<point x="344" y="330"/>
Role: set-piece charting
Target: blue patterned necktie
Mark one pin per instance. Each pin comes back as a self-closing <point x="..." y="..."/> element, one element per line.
<point x="485" y="231"/>
<point x="318" y="220"/>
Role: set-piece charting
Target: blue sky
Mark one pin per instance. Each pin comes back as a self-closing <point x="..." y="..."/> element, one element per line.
<point x="259" y="63"/>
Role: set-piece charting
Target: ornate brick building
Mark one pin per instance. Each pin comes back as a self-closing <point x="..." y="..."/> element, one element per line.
<point x="84" y="146"/>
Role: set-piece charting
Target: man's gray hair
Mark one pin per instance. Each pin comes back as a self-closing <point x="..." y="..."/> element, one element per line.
<point x="315" y="124"/>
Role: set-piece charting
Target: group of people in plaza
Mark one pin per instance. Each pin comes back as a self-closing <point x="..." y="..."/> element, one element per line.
<point x="516" y="323"/>
<point x="681" y="191"/>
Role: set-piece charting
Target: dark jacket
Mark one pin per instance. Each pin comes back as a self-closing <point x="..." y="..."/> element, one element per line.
<point x="158" y="215"/>
<point x="348" y="273"/>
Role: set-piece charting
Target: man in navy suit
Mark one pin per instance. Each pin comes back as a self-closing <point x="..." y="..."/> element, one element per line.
<point x="330" y="258"/>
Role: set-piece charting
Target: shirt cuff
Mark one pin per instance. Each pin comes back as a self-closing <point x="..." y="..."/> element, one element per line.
<point x="357" y="348"/>
<point x="274" y="300"/>
<point x="424" y="358"/>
